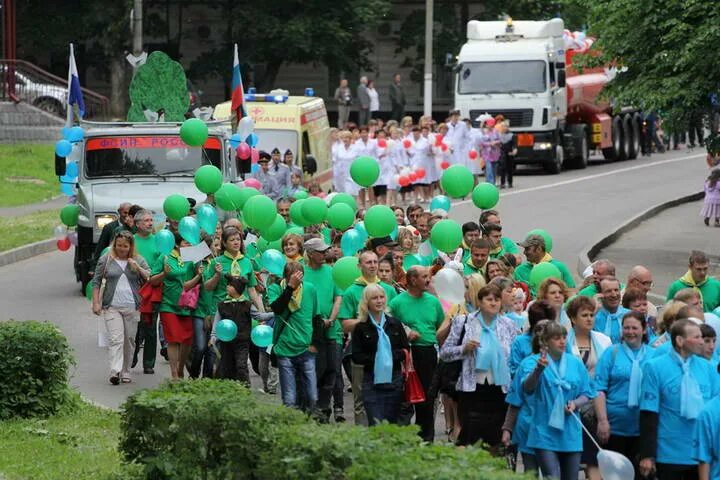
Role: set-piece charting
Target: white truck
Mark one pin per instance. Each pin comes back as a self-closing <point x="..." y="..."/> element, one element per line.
<point x="523" y="70"/>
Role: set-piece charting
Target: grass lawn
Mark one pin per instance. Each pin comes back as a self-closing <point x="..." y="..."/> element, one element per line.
<point x="18" y="231"/>
<point x="28" y="174"/>
<point x="76" y="444"/>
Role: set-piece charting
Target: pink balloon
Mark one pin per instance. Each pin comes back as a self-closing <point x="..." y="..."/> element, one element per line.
<point x="253" y="182"/>
<point x="243" y="151"/>
<point x="254" y="155"/>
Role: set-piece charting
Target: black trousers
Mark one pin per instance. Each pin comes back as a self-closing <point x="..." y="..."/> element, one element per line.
<point x="507" y="169"/>
<point x="668" y="471"/>
<point x="628" y="446"/>
<point x="325" y="363"/>
<point x="234" y="360"/>
<point x="425" y="360"/>
<point x="481" y="414"/>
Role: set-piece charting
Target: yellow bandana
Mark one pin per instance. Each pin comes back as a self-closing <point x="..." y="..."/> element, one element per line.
<point x="235" y="269"/>
<point x="688" y="280"/>
<point x="546" y="258"/>
<point x="176" y="255"/>
<point x="364" y="281"/>
<point x="296" y="298"/>
<point x="296" y="258"/>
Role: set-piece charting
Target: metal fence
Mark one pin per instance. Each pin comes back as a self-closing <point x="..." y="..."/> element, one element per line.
<point x="22" y="81"/>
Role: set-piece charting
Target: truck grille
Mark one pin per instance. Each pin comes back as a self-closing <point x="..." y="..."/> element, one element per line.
<point x="518" y="118"/>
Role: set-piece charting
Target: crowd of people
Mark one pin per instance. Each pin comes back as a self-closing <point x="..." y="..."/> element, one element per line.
<point x="516" y="366"/>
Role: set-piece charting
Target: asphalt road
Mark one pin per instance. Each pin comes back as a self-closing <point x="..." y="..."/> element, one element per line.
<point x="575" y="207"/>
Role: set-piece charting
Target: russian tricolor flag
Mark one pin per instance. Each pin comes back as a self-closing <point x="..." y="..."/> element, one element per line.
<point x="237" y="104"/>
<point x="75" y="96"/>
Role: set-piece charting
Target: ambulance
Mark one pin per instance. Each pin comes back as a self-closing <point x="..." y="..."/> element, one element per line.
<point x="296" y="123"/>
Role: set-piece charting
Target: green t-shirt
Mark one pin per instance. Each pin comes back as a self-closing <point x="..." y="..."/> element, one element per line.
<point x="506" y="246"/>
<point x="147" y="249"/>
<point x="710" y="291"/>
<point x="245" y="269"/>
<point x="469" y="268"/>
<point x="422" y="314"/>
<point x="327" y="291"/>
<point x="292" y="332"/>
<point x="206" y="301"/>
<point x="180" y="272"/>
<point x="353" y="294"/>
<point x="522" y="274"/>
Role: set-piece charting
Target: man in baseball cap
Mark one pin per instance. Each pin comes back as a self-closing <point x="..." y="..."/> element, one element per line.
<point x="535" y="252"/>
<point x="381" y="245"/>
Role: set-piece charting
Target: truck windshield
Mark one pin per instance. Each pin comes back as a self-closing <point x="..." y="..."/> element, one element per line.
<point x="148" y="155"/>
<point x="502" y="77"/>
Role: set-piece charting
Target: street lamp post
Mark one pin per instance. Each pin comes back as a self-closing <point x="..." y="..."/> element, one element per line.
<point x="428" y="76"/>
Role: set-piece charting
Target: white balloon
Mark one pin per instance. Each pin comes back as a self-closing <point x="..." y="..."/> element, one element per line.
<point x="60" y="232"/>
<point x="615" y="466"/>
<point x="245" y="127"/>
<point x="449" y="286"/>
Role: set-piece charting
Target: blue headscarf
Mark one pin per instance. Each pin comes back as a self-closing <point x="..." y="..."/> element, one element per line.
<point x="383" y="355"/>
<point x="490" y="355"/>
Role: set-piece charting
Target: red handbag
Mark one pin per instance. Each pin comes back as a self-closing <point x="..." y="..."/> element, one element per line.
<point x="149" y="294"/>
<point x="414" y="392"/>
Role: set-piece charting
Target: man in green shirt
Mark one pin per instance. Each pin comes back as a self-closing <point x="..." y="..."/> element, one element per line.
<point x="368" y="264"/>
<point x="328" y="362"/>
<point x="146" y="337"/>
<point x="698" y="279"/>
<point x="295" y="306"/>
<point x="499" y="245"/>
<point x="600" y="269"/>
<point x="535" y="253"/>
<point x="470" y="232"/>
<point x="476" y="262"/>
<point x="422" y="313"/>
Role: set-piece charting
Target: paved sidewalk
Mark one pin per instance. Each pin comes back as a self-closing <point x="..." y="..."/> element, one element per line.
<point x="20" y="210"/>
<point x="663" y="244"/>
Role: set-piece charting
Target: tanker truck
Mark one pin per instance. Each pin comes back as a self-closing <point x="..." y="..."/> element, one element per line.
<point x="523" y="70"/>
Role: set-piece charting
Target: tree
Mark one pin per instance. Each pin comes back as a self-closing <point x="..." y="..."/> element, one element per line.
<point x="274" y="32"/>
<point x="668" y="49"/>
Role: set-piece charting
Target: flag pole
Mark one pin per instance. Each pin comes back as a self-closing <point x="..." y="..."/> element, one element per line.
<point x="69" y="109"/>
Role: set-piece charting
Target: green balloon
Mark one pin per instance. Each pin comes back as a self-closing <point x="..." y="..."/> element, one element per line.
<point x="295" y="231"/>
<point x="457" y="181"/>
<point x="314" y="210"/>
<point x="340" y="216"/>
<point x="380" y="221"/>
<point x="300" y="195"/>
<point x="446" y="236"/>
<point x="194" y="132"/>
<point x="88" y="291"/>
<point x="276" y="230"/>
<point x="485" y="195"/>
<point x="259" y="212"/>
<point x="69" y="215"/>
<point x="365" y="171"/>
<point x="263" y="245"/>
<point x="226" y="197"/>
<point x="176" y="207"/>
<point x="543" y="271"/>
<point x="296" y="214"/>
<point x="345" y="272"/>
<point x="545" y="235"/>
<point x="344" y="198"/>
<point x="208" y="179"/>
<point x="244" y="194"/>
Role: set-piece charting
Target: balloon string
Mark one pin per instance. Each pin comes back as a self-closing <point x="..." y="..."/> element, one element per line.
<point x="575" y="415"/>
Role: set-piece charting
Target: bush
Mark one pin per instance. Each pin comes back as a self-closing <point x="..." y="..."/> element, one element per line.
<point x="214" y="429"/>
<point x="34" y="362"/>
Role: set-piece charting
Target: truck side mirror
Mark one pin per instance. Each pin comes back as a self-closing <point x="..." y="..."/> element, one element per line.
<point x="309" y="164"/>
<point x="60" y="165"/>
<point x="561" y="78"/>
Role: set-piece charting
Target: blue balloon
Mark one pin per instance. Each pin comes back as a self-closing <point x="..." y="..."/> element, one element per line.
<point x="66" y="132"/>
<point x="440" y="201"/>
<point x="255" y="167"/>
<point x="189" y="230"/>
<point x="63" y="148"/>
<point x="351" y="242"/>
<point x="235" y="140"/>
<point x="360" y="228"/>
<point x="76" y="134"/>
<point x="273" y="261"/>
<point x="252" y="140"/>
<point x="164" y="241"/>
<point x="71" y="170"/>
<point x="226" y="330"/>
<point x="261" y="336"/>
<point x="207" y="217"/>
<point x="67" y="189"/>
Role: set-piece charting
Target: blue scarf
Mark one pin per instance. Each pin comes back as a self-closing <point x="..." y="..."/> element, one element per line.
<point x="565" y="320"/>
<point x="557" y="380"/>
<point x="691" y="399"/>
<point x="490" y="355"/>
<point x="383" y="355"/>
<point x="610" y="319"/>
<point x="636" y="373"/>
<point x="517" y="319"/>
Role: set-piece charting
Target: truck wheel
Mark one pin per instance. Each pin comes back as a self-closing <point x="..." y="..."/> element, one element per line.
<point x="554" y="166"/>
<point x="581" y="161"/>
<point x="635" y="128"/>
<point x="619" y="139"/>
<point x="628" y="137"/>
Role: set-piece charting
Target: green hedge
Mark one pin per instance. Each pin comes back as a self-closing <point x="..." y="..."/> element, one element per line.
<point x="34" y="361"/>
<point x="214" y="429"/>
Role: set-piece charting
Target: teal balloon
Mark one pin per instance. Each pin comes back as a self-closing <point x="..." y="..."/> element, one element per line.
<point x="394" y="233"/>
<point x="351" y="242"/>
<point x="63" y="148"/>
<point x="76" y="134"/>
<point x="207" y="217"/>
<point x="164" y="241"/>
<point x="314" y="210"/>
<point x="262" y="336"/>
<point x="273" y="261"/>
<point x="360" y="227"/>
<point x="276" y="230"/>
<point x="226" y="330"/>
<point x="189" y="230"/>
<point x="440" y="201"/>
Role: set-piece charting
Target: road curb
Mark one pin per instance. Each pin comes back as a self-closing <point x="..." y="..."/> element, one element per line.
<point x="27" y="251"/>
<point x="588" y="253"/>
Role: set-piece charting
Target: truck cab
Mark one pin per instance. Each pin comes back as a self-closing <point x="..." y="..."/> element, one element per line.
<point x="140" y="163"/>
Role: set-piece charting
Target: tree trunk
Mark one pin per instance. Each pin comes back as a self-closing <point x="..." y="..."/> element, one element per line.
<point x="118" y="85"/>
<point x="267" y="82"/>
